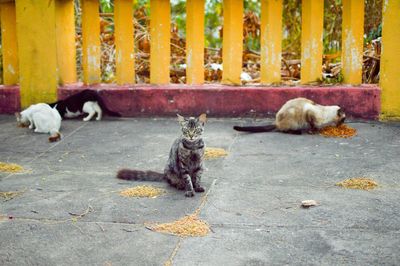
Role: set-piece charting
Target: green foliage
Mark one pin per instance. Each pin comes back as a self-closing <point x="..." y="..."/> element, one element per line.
<point x="213" y="23"/>
<point x="106" y="6"/>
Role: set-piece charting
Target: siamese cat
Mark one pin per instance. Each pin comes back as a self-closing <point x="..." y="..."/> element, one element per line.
<point x="185" y="162"/>
<point x="301" y="114"/>
<point x="86" y="101"/>
<point x="42" y="119"/>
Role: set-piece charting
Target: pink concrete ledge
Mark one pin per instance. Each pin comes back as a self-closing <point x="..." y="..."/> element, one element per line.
<point x="9" y="99"/>
<point x="216" y="100"/>
<point x="228" y="101"/>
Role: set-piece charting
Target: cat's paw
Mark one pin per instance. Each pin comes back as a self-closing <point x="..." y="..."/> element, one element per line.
<point x="199" y="189"/>
<point x="189" y="193"/>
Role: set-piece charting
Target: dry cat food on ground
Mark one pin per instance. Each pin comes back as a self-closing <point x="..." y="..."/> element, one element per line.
<point x="358" y="183"/>
<point x="142" y="192"/>
<point x="10" y="167"/>
<point x="9" y="195"/>
<point x="342" y="131"/>
<point x="210" y="153"/>
<point x="189" y="225"/>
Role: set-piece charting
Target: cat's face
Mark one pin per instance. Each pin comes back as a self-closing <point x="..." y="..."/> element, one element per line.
<point x="192" y="127"/>
<point x="22" y="121"/>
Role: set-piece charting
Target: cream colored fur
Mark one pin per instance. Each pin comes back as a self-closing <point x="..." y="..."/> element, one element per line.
<point x="296" y="113"/>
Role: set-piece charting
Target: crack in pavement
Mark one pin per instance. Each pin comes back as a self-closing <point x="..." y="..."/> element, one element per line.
<point x="49" y="149"/>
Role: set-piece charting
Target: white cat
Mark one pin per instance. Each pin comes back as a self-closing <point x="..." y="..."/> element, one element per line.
<point x="43" y="119"/>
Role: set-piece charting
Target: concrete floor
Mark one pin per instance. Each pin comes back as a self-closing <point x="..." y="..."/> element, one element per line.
<point x="253" y="200"/>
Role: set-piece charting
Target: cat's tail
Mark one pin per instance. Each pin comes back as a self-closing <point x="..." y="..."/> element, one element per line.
<point x="255" y="129"/>
<point x="105" y="108"/>
<point x="130" y="174"/>
<point x="55" y="136"/>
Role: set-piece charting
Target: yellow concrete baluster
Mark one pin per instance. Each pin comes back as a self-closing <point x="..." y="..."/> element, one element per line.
<point x="390" y="73"/>
<point x="352" y="41"/>
<point x="160" y="25"/>
<point x="271" y="41"/>
<point x="124" y="43"/>
<point x="232" y="41"/>
<point x="9" y="43"/>
<point x="37" y="54"/>
<point x="312" y="19"/>
<point x="91" y="50"/>
<point x="66" y="49"/>
<point x="195" y="42"/>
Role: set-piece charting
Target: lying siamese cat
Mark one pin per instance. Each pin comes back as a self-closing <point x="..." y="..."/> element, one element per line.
<point x="301" y="114"/>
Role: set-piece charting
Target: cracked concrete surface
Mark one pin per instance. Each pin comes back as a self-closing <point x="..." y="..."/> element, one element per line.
<point x="253" y="203"/>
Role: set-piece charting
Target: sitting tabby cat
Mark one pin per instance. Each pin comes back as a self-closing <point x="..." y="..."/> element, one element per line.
<point x="185" y="163"/>
<point x="86" y="101"/>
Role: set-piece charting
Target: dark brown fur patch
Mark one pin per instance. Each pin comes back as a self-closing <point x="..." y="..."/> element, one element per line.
<point x="55" y="137"/>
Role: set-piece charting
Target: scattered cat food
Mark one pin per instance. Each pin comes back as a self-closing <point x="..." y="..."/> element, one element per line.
<point x="342" y="131"/>
<point x="10" y="167"/>
<point x="211" y="153"/>
<point x="358" y="183"/>
<point x="142" y="192"/>
<point x="308" y="203"/>
<point x="189" y="225"/>
<point x="9" y="195"/>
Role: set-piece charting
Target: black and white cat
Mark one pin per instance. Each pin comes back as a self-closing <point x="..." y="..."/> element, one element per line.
<point x="86" y="101"/>
<point x="42" y="119"/>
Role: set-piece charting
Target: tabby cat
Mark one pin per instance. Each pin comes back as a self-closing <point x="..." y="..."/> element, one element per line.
<point x="185" y="162"/>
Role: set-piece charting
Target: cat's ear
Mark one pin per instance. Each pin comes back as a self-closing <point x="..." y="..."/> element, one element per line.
<point x="181" y="119"/>
<point x="203" y="118"/>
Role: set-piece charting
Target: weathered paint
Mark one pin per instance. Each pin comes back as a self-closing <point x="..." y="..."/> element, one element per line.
<point x="36" y="35"/>
<point x="160" y="26"/>
<point x="195" y="41"/>
<point x="91" y="51"/>
<point x="232" y="41"/>
<point x="312" y="19"/>
<point x="124" y="41"/>
<point x="390" y="73"/>
<point x="9" y="44"/>
<point x="352" y="40"/>
<point x="228" y="101"/>
<point x="66" y="49"/>
<point x="271" y="41"/>
<point x="10" y="101"/>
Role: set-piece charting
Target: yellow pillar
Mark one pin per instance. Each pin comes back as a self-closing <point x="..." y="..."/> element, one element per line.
<point x="312" y="21"/>
<point x="160" y="25"/>
<point x="195" y="41"/>
<point x="66" y="49"/>
<point x="124" y="43"/>
<point x="9" y="43"/>
<point x="352" y="41"/>
<point x="36" y="37"/>
<point x="232" y="41"/>
<point x="389" y="75"/>
<point x="271" y="41"/>
<point x="91" y="50"/>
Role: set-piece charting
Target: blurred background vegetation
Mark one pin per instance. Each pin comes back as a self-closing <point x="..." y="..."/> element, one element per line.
<point x="291" y="28"/>
<point x="291" y="21"/>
